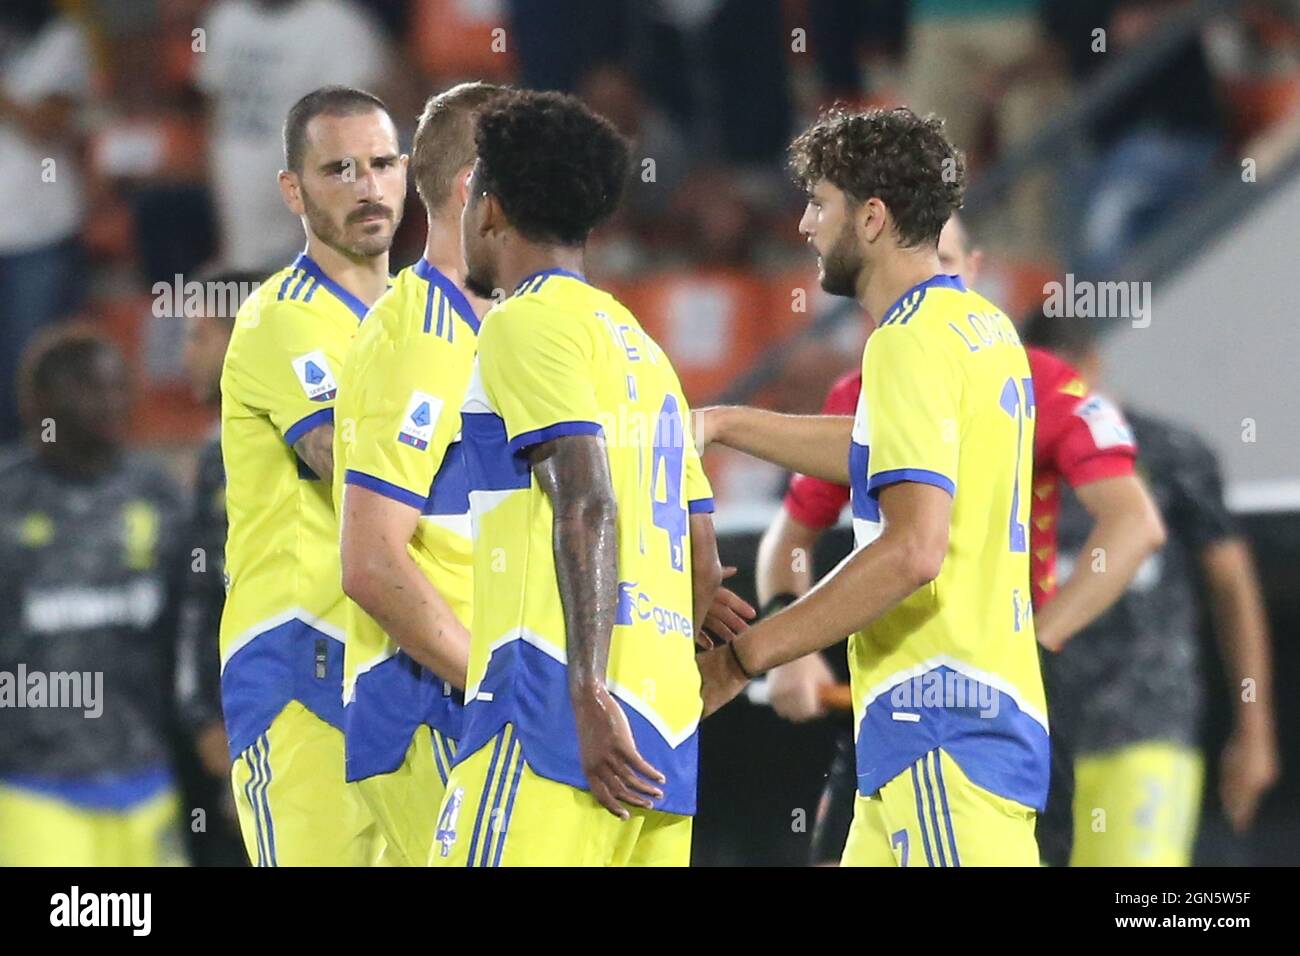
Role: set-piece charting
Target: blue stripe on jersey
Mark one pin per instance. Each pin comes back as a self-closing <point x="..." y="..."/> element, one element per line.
<point x="865" y="506"/>
<point x="454" y="295"/>
<point x="449" y="492"/>
<point x="284" y="286"/>
<point x="510" y="808"/>
<point x="390" y="702"/>
<point x="428" y="308"/>
<point x="495" y="821"/>
<point x="302" y="426"/>
<point x="483" y="798"/>
<point x="437" y="756"/>
<point x="253" y="771"/>
<point x="309" y="265"/>
<point x="882" y="479"/>
<point x="934" y="282"/>
<point x="266" y="806"/>
<point x="113" y="792"/>
<point x="311" y="290"/>
<point x="997" y="745"/>
<point x="385" y="488"/>
<point x="527" y="440"/>
<point x="293" y="293"/>
<point x="526" y="687"/>
<point x="274" y="668"/>
<point x="488" y="460"/>
<point x="920" y="818"/>
<point x="934" y="813"/>
<point x="947" y="816"/>
<point x="536" y="278"/>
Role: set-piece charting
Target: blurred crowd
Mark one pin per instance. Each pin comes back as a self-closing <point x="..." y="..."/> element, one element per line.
<point x="140" y="140"/>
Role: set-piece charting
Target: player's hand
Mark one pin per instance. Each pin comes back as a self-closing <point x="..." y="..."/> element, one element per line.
<point x="1249" y="769"/>
<point x="706" y="421"/>
<point x="615" y="771"/>
<point x="720" y="678"/>
<point x="727" y="617"/>
<point x="794" y="688"/>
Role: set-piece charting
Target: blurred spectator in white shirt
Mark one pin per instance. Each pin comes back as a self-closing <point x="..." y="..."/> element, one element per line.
<point x="260" y="56"/>
<point x="44" y="79"/>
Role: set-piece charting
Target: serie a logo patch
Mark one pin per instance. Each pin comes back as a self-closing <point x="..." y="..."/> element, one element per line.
<point x="315" y="377"/>
<point x="421" y="416"/>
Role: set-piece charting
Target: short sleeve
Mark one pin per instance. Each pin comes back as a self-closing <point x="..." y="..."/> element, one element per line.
<point x="403" y="418"/>
<point x="699" y="493"/>
<point x="285" y="366"/>
<point x="1095" y="442"/>
<point x="912" y="410"/>
<point x="537" y="371"/>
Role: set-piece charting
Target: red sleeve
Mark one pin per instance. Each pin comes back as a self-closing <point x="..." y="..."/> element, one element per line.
<point x="1080" y="435"/>
<point x="812" y="501"/>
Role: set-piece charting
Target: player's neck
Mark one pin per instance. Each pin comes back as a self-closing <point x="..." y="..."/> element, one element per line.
<point x="523" y="259"/>
<point x="442" y="249"/>
<point x="366" y="278"/>
<point x="889" y="278"/>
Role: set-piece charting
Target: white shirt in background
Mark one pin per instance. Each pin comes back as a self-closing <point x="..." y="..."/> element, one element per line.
<point x="41" y="203"/>
<point x="259" y="61"/>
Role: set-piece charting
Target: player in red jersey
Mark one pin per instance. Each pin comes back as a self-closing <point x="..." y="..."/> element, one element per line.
<point x="1079" y="438"/>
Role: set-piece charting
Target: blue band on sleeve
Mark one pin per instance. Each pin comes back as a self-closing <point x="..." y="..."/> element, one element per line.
<point x="922" y="475"/>
<point x="558" y="430"/>
<point x="700" y="506"/>
<point x="301" y="427"/>
<point x="385" y="488"/>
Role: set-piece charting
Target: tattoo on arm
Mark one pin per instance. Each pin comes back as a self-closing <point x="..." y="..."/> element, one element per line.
<point x="316" y="448"/>
<point x="573" y="471"/>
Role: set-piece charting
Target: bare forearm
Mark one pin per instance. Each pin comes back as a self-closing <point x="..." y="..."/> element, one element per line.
<point x="390" y="587"/>
<point x="865" y="585"/>
<point x="1241" y="627"/>
<point x="1110" y="557"/>
<point x="316" y="448"/>
<point x="585" y="541"/>
<point x="816" y="445"/>
<point x="784" y="564"/>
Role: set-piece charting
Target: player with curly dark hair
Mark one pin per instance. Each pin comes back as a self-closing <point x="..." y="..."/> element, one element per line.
<point x="595" y="560"/>
<point x="951" y="734"/>
<point x="549" y="171"/>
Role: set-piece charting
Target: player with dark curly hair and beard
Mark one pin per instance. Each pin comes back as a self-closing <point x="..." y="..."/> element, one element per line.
<point x="950" y="727"/>
<point x="595" y="561"/>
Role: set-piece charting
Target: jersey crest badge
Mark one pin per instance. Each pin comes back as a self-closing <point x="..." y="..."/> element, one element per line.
<point x="421" y="416"/>
<point x="315" y="377"/>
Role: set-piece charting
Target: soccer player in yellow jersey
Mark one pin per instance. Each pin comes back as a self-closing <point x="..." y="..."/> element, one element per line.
<point x="402" y="497"/>
<point x="950" y="727"/>
<point x="594" y="555"/>
<point x="283" y="623"/>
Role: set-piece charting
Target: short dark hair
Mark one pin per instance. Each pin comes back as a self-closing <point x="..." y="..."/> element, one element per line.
<point x="902" y="159"/>
<point x="62" y="350"/>
<point x="444" y="138"/>
<point x="326" y="101"/>
<point x="1067" y="336"/>
<point x="556" y="167"/>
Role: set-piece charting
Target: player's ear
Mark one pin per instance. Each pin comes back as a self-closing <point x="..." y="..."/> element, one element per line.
<point x="461" y="188"/>
<point x="871" y="219"/>
<point x="291" y="191"/>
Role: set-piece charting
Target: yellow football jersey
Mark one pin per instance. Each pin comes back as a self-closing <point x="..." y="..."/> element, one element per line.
<point x="282" y="626"/>
<point x="397" y="433"/>
<point x="561" y="357"/>
<point x="947" y="399"/>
